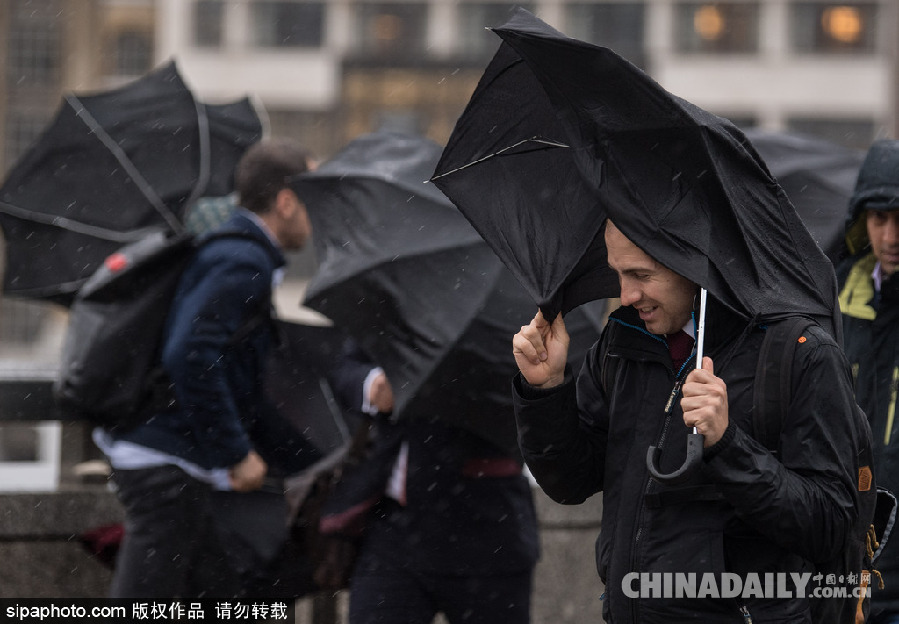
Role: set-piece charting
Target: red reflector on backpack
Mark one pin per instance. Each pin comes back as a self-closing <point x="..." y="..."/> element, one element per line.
<point x="116" y="262"/>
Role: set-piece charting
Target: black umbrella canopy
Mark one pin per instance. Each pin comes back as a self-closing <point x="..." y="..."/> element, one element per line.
<point x="818" y="177"/>
<point x="586" y="136"/>
<point x="405" y="274"/>
<point x="296" y="381"/>
<point x="111" y="167"/>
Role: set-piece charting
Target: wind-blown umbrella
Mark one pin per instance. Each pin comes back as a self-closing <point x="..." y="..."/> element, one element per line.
<point x="561" y="134"/>
<point x="818" y="177"/>
<point x="297" y="383"/>
<point x="404" y="273"/>
<point x="110" y="168"/>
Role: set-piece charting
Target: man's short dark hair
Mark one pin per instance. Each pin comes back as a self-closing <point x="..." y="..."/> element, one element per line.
<point x="264" y="169"/>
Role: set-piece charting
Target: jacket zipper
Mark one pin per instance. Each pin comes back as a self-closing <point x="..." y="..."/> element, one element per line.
<point x="669" y="407"/>
<point x="891" y="410"/>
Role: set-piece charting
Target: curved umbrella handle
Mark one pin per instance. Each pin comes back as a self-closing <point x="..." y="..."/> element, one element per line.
<point x="695" y="442"/>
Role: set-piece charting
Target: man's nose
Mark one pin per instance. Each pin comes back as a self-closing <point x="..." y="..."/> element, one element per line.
<point x="630" y="294"/>
<point x="891" y="231"/>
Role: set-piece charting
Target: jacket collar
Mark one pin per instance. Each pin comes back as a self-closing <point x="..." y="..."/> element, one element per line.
<point x="242" y="221"/>
<point x="858" y="291"/>
<point x="722" y="328"/>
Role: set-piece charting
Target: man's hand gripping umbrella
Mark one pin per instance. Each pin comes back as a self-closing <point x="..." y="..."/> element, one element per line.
<point x="704" y="404"/>
<point x="540" y="350"/>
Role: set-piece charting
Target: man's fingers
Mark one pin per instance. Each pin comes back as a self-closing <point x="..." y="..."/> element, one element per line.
<point x="529" y="343"/>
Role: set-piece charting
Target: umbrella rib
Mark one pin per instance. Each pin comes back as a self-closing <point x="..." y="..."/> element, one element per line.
<point x="76" y="226"/>
<point x="505" y="149"/>
<point x="120" y="155"/>
<point x="205" y="166"/>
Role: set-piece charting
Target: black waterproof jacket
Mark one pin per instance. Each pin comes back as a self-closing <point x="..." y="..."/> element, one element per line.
<point x="745" y="511"/>
<point x="871" y="342"/>
<point x="871" y="338"/>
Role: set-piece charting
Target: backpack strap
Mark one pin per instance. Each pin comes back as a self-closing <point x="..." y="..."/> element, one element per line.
<point x="773" y="379"/>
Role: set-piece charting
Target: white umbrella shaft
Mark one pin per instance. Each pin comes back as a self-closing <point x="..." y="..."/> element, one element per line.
<point x="700" y="331"/>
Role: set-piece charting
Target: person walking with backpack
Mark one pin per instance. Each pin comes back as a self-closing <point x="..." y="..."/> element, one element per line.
<point x="869" y="299"/>
<point x="219" y="432"/>
<point x="748" y="511"/>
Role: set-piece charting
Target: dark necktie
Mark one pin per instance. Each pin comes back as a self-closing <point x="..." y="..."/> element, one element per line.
<point x="680" y="346"/>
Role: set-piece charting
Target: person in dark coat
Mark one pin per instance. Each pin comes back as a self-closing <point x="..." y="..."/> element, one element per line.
<point x="447" y="520"/>
<point x="747" y="511"/>
<point x="221" y="433"/>
<point x="869" y="300"/>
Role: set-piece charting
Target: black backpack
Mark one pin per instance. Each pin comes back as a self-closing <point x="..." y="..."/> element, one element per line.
<point x="110" y="372"/>
<point x="853" y="571"/>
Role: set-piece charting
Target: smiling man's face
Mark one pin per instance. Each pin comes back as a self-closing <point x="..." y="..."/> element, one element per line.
<point x="663" y="298"/>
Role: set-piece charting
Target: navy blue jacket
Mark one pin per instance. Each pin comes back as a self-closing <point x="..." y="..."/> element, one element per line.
<point x="221" y="411"/>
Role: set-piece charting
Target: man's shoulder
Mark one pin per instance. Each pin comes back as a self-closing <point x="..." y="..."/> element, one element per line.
<point x="239" y="240"/>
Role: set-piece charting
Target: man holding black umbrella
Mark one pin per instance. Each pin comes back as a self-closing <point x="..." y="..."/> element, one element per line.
<point x="870" y="303"/>
<point x="596" y="183"/>
<point x="748" y="511"/>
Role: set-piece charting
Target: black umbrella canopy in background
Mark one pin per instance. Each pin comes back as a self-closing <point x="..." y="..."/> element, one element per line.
<point x="296" y="382"/>
<point x="110" y="168"/>
<point x="818" y="177"/>
<point x="561" y="134"/>
<point x="403" y="272"/>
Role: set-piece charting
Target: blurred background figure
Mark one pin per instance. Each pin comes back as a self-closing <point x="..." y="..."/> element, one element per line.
<point x="869" y="300"/>
<point x="450" y="525"/>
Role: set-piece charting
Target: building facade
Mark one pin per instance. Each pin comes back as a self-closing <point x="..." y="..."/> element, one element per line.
<point x="331" y="69"/>
<point x="326" y="71"/>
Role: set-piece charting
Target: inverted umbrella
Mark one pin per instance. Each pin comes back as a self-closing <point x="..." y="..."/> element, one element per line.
<point x="405" y="274"/>
<point x="818" y="177"/>
<point x="561" y="134"/>
<point x="110" y="168"/>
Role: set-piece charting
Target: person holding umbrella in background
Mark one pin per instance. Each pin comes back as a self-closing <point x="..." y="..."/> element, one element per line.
<point x="869" y="300"/>
<point x="448" y="520"/>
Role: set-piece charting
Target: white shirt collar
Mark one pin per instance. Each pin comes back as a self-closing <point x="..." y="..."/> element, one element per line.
<point x="877" y="276"/>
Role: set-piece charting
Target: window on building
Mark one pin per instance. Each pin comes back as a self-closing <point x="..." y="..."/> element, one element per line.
<point x="287" y="24"/>
<point x="34" y="43"/>
<point x="717" y="27"/>
<point x="133" y="52"/>
<point x="851" y="132"/>
<point x="474" y="19"/>
<point x="616" y="25"/>
<point x="403" y="121"/>
<point x="392" y="30"/>
<point x="834" y="28"/>
<point x="209" y="19"/>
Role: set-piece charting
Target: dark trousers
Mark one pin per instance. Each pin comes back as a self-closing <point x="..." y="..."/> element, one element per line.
<point x="397" y="596"/>
<point x="171" y="547"/>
